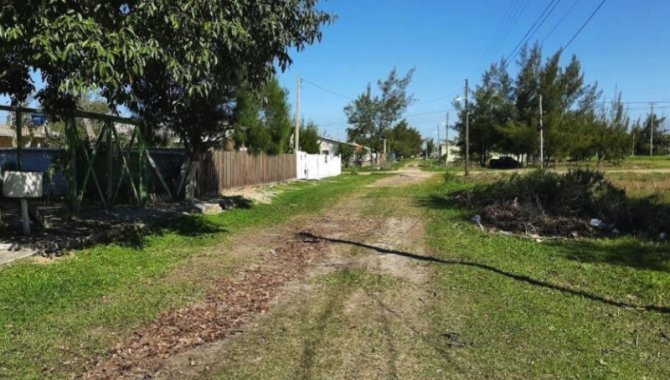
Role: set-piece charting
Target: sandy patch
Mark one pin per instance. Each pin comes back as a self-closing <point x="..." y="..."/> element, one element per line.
<point x="409" y="175"/>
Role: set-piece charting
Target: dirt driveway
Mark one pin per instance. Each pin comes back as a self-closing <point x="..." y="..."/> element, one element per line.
<point x="319" y="302"/>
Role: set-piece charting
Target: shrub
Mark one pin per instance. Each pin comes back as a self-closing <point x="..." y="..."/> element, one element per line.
<point x="562" y="204"/>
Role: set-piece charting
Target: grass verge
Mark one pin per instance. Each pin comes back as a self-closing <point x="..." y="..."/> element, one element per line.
<point x="519" y="330"/>
<point x="58" y="316"/>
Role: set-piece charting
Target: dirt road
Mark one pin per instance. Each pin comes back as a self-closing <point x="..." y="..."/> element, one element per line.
<point x="315" y="303"/>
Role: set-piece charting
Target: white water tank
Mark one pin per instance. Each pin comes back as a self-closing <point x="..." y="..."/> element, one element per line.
<point x="22" y="184"/>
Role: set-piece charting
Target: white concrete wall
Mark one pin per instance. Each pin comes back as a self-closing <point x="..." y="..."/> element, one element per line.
<point x="317" y="166"/>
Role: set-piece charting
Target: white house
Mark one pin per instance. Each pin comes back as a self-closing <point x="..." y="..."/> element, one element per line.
<point x="331" y="147"/>
<point x="450" y="149"/>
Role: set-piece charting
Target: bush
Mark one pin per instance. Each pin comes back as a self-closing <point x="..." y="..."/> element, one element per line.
<point x="563" y="204"/>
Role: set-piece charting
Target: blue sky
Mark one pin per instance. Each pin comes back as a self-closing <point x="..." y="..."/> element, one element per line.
<point x="626" y="44"/>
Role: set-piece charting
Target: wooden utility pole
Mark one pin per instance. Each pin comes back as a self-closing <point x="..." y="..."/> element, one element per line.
<point x="467" y="130"/>
<point x="446" y="141"/>
<point x="541" y="136"/>
<point x="651" y="131"/>
<point x="296" y="141"/>
<point x="439" y="145"/>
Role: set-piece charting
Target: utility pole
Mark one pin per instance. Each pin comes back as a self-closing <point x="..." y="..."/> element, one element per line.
<point x="439" y="145"/>
<point x="384" y="158"/>
<point x="446" y="141"/>
<point x="467" y="130"/>
<point x="541" y="136"/>
<point x="296" y="141"/>
<point x="651" y="130"/>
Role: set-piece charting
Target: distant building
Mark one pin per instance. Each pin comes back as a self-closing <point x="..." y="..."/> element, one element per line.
<point x="331" y="147"/>
<point x="453" y="150"/>
<point x="7" y="136"/>
<point x="34" y="137"/>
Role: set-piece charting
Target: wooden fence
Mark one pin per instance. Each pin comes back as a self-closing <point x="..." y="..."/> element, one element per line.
<point x="224" y="170"/>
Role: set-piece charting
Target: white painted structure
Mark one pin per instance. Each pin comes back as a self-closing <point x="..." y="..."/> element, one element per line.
<point x="318" y="166"/>
<point x="22" y="185"/>
<point x="330" y="146"/>
<point x="452" y="148"/>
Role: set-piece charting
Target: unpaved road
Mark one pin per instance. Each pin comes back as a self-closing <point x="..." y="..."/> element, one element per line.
<point x="315" y="304"/>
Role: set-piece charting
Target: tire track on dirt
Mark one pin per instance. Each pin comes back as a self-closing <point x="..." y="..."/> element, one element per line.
<point x="183" y="342"/>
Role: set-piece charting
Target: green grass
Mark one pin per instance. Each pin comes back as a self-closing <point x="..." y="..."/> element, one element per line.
<point x="56" y="316"/>
<point x="508" y="328"/>
<point x="520" y="330"/>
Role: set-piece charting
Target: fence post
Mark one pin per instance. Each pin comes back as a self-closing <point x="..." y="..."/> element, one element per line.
<point x="19" y="133"/>
<point x="110" y="167"/>
<point x="71" y="168"/>
<point x="142" y="159"/>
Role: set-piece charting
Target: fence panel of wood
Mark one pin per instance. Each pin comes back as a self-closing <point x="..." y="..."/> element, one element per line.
<point x="223" y="170"/>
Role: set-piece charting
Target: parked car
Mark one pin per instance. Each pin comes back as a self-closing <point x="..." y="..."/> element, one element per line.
<point x="504" y="163"/>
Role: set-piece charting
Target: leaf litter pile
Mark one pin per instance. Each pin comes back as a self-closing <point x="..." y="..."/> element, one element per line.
<point x="227" y="306"/>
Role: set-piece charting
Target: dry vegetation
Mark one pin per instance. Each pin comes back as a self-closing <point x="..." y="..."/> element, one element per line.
<point x="643" y="185"/>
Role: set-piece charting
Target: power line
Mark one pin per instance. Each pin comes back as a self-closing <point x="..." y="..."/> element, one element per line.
<point x="326" y="90"/>
<point x="432" y="100"/>
<point x="636" y="102"/>
<point x="515" y="19"/>
<point x="560" y="21"/>
<point x="536" y="25"/>
<point x="425" y="113"/>
<point x="584" y="24"/>
<point x="503" y="21"/>
<point x="646" y="108"/>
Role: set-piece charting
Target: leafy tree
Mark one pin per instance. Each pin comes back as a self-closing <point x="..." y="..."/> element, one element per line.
<point x="404" y="140"/>
<point x="175" y="64"/>
<point x="347" y="153"/>
<point x="505" y="114"/>
<point x="517" y="138"/>
<point x="309" y="139"/>
<point x="261" y="119"/>
<point x="492" y="109"/>
<point x="248" y="126"/>
<point x="275" y="111"/>
<point x="616" y="140"/>
<point x="372" y="117"/>
<point x="526" y="98"/>
<point x="429" y="147"/>
<point x="641" y="133"/>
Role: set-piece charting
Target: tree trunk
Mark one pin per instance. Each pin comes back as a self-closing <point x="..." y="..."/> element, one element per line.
<point x="188" y="177"/>
<point x="191" y="188"/>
